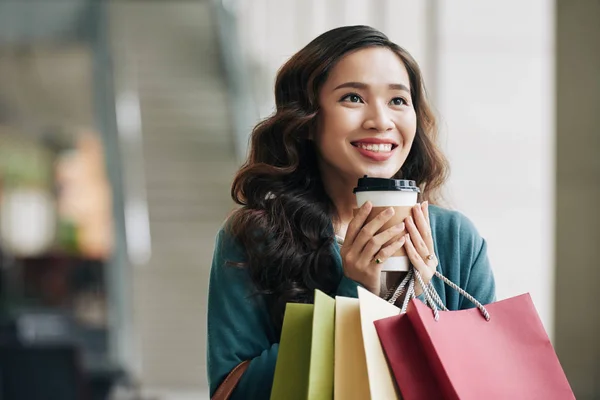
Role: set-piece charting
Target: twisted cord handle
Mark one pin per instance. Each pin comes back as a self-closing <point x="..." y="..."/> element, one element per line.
<point x="436" y="297"/>
<point x="410" y="294"/>
<point x="454" y="286"/>
<point x="428" y="298"/>
<point x="393" y="294"/>
<point x="431" y="295"/>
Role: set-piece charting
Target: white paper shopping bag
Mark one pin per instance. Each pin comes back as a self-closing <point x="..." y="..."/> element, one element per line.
<point x="382" y="384"/>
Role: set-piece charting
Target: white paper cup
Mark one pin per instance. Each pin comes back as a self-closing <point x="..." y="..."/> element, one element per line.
<point x="383" y="193"/>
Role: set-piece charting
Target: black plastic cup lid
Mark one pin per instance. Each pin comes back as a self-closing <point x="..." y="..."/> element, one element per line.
<point x="366" y="184"/>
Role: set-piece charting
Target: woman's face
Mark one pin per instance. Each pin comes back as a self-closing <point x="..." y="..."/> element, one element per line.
<point x="367" y="119"/>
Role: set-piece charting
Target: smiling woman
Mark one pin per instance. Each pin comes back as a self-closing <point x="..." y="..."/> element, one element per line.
<point x="368" y="124"/>
<point x="351" y="103"/>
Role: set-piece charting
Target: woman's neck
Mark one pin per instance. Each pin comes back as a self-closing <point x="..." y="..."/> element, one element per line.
<point x="340" y="192"/>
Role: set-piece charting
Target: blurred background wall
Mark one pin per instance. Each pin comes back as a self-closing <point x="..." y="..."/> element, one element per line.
<point x="577" y="192"/>
<point x="63" y="275"/>
<point x="152" y="102"/>
<point x="171" y="88"/>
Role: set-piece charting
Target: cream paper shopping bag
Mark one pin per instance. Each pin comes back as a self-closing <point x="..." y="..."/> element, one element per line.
<point x="351" y="381"/>
<point x="361" y="369"/>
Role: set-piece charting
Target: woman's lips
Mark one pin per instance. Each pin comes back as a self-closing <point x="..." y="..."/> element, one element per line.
<point x="373" y="154"/>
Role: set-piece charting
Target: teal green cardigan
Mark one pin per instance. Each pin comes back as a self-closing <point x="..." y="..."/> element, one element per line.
<point x="240" y="328"/>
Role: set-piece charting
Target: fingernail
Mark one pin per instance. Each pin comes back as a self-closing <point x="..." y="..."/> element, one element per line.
<point x="389" y="211"/>
<point x="410" y="219"/>
<point x="401" y="226"/>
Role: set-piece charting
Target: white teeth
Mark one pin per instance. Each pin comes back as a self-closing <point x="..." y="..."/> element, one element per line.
<point x="387" y="147"/>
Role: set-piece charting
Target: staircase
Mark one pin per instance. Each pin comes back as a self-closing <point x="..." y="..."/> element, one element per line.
<point x="189" y="164"/>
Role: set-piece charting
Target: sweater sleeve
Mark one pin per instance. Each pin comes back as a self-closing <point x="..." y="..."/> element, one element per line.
<point x="239" y="326"/>
<point x="347" y="287"/>
<point x="480" y="283"/>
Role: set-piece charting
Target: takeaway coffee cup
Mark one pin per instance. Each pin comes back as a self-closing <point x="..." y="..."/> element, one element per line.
<point x="400" y="194"/>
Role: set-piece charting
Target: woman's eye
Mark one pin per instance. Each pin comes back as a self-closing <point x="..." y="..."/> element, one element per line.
<point x="352" y="98"/>
<point x="398" y="101"/>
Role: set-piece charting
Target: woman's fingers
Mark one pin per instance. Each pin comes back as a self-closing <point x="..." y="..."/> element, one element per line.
<point x="413" y="254"/>
<point x="368" y="231"/>
<point x="419" y="244"/>
<point x="424" y="229"/>
<point x="357" y="223"/>
<point x="416" y="239"/>
<point x="378" y="241"/>
<point x="425" y="208"/>
<point x="391" y="249"/>
<point x="418" y="263"/>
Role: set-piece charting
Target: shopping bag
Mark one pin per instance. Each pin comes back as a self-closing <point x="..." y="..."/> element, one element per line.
<point x="461" y="355"/>
<point x="407" y="359"/>
<point x="351" y="381"/>
<point x="361" y="371"/>
<point x="304" y="367"/>
<point x="293" y="359"/>
<point x="381" y="380"/>
<point x="320" y="379"/>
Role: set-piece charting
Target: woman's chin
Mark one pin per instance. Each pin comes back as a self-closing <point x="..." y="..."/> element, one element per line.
<point x="377" y="173"/>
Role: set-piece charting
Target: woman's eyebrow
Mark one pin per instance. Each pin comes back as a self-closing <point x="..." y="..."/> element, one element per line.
<point x="364" y="86"/>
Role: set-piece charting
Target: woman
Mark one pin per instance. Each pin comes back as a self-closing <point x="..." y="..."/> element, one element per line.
<point x="351" y="103"/>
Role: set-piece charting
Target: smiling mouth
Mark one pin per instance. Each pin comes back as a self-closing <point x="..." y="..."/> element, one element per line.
<point x="376" y="147"/>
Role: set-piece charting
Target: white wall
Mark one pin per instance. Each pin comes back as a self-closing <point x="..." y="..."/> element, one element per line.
<point x="489" y="69"/>
<point x="495" y="93"/>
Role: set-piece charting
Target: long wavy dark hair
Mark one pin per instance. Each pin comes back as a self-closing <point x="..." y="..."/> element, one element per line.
<point x="285" y="222"/>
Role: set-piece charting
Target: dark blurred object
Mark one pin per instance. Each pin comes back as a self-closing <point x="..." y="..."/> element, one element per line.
<point x="41" y="373"/>
<point x="2" y="280"/>
<point x="62" y="281"/>
<point x="42" y="357"/>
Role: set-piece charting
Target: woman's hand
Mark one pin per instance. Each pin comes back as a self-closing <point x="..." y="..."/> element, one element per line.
<point x="362" y="247"/>
<point x="419" y="244"/>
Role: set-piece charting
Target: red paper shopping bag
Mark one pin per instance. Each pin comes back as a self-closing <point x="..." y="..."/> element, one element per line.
<point x="467" y="357"/>
<point x="407" y="359"/>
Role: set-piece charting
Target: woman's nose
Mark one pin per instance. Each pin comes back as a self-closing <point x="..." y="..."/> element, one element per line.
<point x="378" y="119"/>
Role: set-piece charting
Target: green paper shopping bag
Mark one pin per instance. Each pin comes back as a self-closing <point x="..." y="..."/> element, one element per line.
<point x="304" y="368"/>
